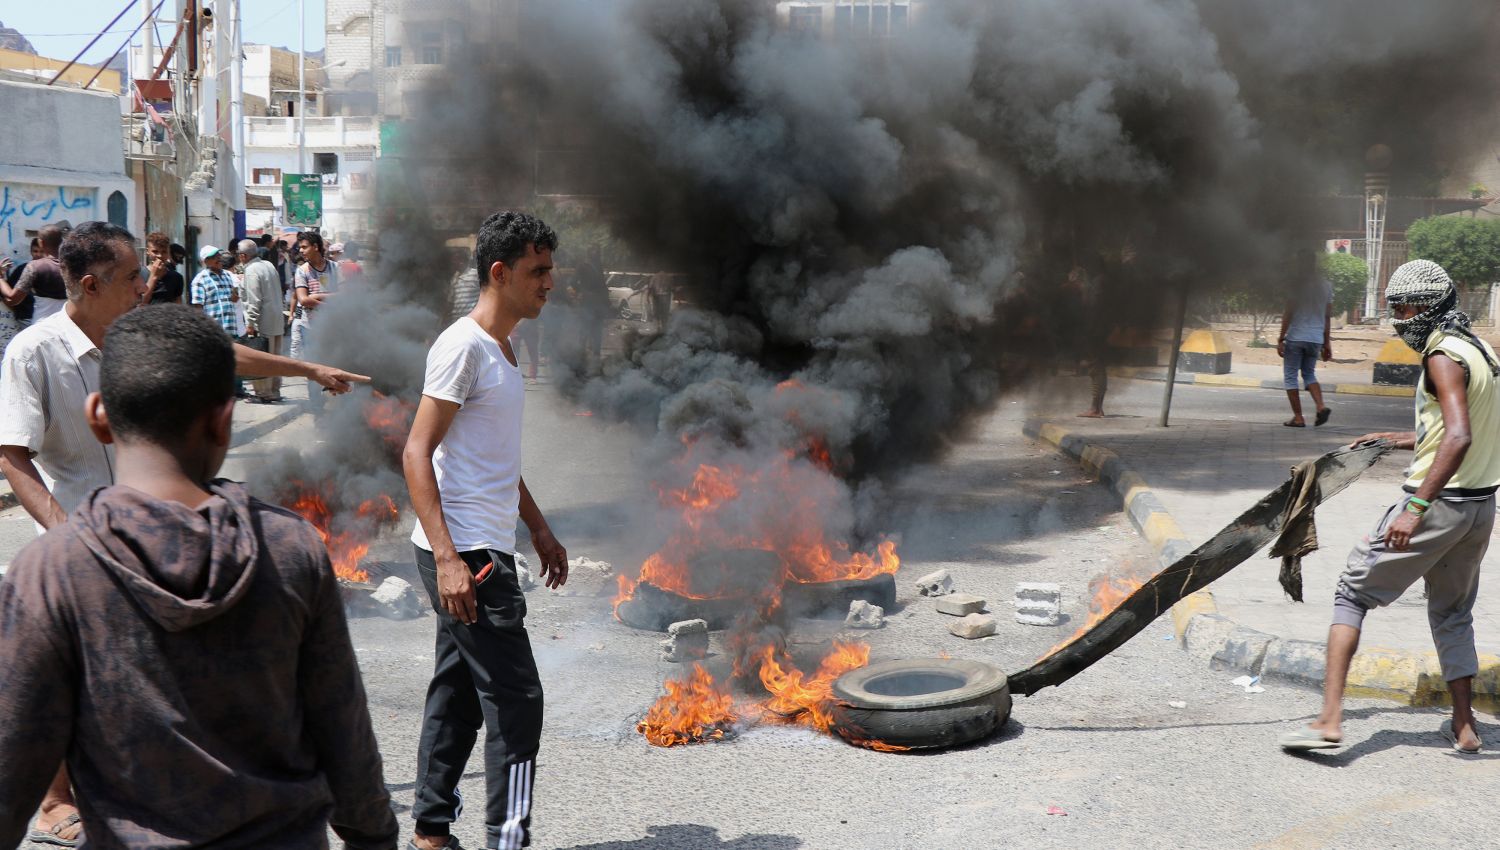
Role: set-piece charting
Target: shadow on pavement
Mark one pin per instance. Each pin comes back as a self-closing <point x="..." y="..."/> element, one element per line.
<point x="683" y="836"/>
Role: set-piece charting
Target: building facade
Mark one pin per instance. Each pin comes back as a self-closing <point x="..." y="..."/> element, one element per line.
<point x="342" y="150"/>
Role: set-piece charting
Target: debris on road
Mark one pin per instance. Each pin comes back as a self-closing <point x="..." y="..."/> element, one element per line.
<point x="1038" y="603"/>
<point x="960" y="604"/>
<point x="1251" y="684"/>
<point x="973" y="626"/>
<point x="396" y="599"/>
<point x="863" y="615"/>
<point x="603" y="568"/>
<point x="1057" y="810"/>
<point x="939" y="583"/>
<point x="688" y="641"/>
<point x="1177" y="703"/>
<point x="524" y="576"/>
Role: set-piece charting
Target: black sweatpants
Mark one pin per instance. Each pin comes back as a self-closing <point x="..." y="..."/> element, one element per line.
<point x="483" y="674"/>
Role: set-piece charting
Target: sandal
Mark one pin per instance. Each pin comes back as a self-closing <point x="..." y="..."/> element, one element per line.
<point x="52" y="836"/>
<point x="1323" y="416"/>
<point x="1292" y="423"/>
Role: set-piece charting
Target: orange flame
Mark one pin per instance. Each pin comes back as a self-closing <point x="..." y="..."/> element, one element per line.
<point x="1108" y="592"/>
<point x="347" y="537"/>
<point x="390" y="418"/>
<point x="778" y="508"/>
<point x="692" y="711"/>
<point x="696" y="709"/>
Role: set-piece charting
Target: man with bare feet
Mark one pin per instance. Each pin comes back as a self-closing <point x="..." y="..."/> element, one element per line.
<point x="1440" y="528"/>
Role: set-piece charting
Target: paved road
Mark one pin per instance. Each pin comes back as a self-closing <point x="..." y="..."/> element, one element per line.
<point x="1107" y="749"/>
<point x="1226" y="449"/>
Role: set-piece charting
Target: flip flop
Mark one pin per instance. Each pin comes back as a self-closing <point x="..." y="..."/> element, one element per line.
<point x="1306" y="738"/>
<point x="1447" y="730"/>
<point x="1292" y="423"/>
<point x="451" y="845"/>
<point x="37" y="836"/>
<point x="1323" y="416"/>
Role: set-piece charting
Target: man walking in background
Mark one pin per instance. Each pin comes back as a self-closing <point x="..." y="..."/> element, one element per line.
<point x="263" y="316"/>
<point x="43" y="277"/>
<point x="194" y="666"/>
<point x="463" y="469"/>
<point x="1439" y="530"/>
<point x="1305" y="326"/>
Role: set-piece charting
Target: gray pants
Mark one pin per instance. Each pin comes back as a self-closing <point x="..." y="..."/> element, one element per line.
<point x="1446" y="551"/>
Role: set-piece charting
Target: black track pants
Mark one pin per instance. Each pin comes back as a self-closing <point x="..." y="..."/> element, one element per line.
<point x="483" y="674"/>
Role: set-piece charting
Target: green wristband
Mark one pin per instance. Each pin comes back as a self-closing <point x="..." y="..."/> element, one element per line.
<point x="1423" y="502"/>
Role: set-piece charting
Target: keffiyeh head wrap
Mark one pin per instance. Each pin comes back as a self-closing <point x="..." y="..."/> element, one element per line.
<point x="1424" y="284"/>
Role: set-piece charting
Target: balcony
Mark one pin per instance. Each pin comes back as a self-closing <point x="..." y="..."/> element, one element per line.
<point x="322" y="132"/>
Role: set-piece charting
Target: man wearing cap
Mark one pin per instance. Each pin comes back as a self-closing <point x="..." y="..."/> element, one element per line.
<point x="213" y="289"/>
<point x="1440" y="528"/>
<point x="263" y="316"/>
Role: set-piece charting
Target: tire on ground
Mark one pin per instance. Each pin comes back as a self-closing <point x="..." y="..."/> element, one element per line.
<point x="956" y="702"/>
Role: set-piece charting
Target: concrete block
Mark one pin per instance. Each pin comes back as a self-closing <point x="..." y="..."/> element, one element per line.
<point x="1304" y="662"/>
<point x="688" y="627"/>
<point x="1397" y="364"/>
<point x="1244" y="649"/>
<point x="1206" y="635"/>
<point x="524" y="576"/>
<point x="397" y="599"/>
<point x="1038" y="603"/>
<point x="939" y="583"/>
<point x="973" y="626"/>
<point x="688" y="641"/>
<point x="960" y="604"/>
<point x="1205" y="352"/>
<point x="863" y="615"/>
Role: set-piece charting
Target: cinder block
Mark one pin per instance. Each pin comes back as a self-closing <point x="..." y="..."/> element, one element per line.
<point x="939" y="583"/>
<point x="1038" y="603"/>
<point x="1206" y="635"/>
<point x="863" y="615"/>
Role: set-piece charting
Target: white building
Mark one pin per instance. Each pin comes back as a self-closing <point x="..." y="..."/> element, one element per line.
<point x="63" y="159"/>
<point x="341" y="149"/>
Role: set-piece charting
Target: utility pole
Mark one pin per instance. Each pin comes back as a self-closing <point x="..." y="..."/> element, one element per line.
<point x="237" y="100"/>
<point x="301" y="86"/>
<point x="148" y="61"/>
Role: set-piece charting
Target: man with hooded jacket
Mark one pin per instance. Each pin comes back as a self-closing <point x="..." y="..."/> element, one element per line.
<point x="1440" y="528"/>
<point x="180" y="643"/>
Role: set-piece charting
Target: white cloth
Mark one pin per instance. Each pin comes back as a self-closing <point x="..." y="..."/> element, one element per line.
<point x="262" y="299"/>
<point x="49" y="370"/>
<point x="478" y="463"/>
<point x="46" y="307"/>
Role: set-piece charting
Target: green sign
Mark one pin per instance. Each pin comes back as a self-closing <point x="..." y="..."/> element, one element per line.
<point x="302" y="198"/>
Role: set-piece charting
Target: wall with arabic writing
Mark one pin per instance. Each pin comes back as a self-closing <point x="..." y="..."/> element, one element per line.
<point x="25" y="208"/>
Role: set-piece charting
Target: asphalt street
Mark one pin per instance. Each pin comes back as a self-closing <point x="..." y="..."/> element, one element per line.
<point x="1106" y="760"/>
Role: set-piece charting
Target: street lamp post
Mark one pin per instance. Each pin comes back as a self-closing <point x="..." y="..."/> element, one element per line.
<point x="301" y="86"/>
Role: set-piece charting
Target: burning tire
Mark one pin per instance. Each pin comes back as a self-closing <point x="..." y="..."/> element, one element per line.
<point x="921" y="703"/>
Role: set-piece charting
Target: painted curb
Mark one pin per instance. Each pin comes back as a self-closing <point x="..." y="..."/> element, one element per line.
<point x="1221" y="643"/>
<point x="1139" y="373"/>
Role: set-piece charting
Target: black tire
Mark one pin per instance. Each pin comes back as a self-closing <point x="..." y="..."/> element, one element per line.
<point x="975" y="707"/>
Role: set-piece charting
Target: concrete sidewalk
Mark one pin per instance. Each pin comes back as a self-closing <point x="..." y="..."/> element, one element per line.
<point x="1214" y="462"/>
<point x="251" y="422"/>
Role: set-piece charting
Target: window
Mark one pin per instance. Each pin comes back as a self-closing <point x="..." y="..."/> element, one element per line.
<point x="327" y="164"/>
<point x="432" y="54"/>
<point x="870" y="19"/>
<point x="392" y="57"/>
<point x="805" y="19"/>
<point x="266" y="176"/>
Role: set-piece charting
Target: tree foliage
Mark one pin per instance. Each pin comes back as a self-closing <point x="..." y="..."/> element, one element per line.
<point x="1469" y="248"/>
<point x="1348" y="274"/>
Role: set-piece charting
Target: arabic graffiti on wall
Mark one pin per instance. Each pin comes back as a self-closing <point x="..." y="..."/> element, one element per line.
<point x="30" y="206"/>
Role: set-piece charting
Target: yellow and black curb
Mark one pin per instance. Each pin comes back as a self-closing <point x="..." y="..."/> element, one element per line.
<point x="1141" y="373"/>
<point x="1216" y="640"/>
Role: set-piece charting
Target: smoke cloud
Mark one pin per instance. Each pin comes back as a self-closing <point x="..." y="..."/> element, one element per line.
<point x="906" y="227"/>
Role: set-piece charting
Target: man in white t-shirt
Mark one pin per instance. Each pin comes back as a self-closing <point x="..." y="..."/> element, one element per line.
<point x="463" y="468"/>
